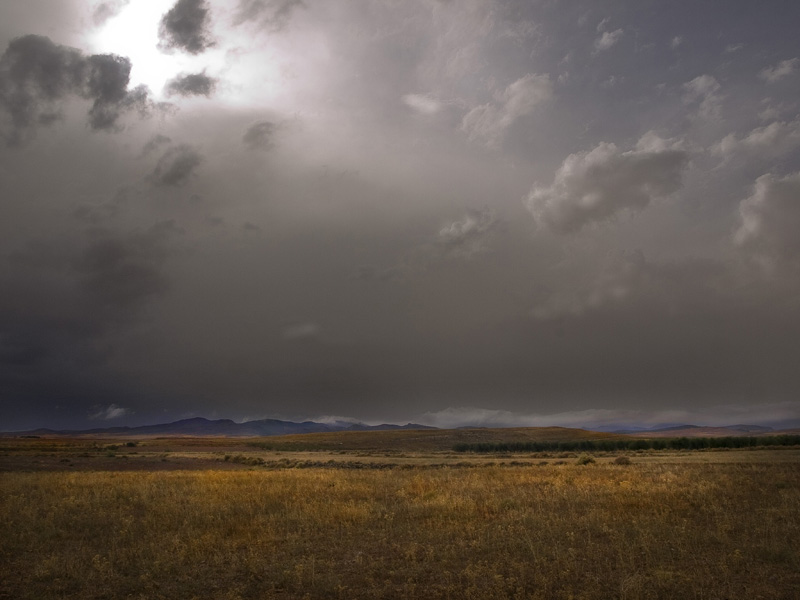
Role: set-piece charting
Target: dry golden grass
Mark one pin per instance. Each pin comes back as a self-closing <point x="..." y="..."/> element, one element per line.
<point x="646" y="530"/>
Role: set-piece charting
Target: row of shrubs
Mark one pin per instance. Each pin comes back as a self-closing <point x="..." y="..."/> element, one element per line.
<point x="681" y="443"/>
<point x="255" y="461"/>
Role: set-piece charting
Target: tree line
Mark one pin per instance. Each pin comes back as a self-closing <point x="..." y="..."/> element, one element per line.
<point x="679" y="443"/>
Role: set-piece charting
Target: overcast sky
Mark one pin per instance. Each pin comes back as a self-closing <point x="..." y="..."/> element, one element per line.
<point x="441" y="211"/>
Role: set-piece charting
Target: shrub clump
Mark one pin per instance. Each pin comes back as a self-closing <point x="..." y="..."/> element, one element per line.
<point x="585" y="459"/>
<point x="622" y="460"/>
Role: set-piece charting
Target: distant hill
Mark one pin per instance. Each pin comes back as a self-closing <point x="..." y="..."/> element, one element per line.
<point x="309" y="435"/>
<point x="198" y="426"/>
<point x="431" y="437"/>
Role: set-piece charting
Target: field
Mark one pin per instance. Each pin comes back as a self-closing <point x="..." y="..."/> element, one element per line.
<point x="403" y="516"/>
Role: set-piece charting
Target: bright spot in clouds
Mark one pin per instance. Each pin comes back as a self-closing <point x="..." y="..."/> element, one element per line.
<point x="134" y="33"/>
<point x="251" y="77"/>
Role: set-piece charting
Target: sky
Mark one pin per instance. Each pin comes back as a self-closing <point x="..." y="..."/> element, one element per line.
<point x="450" y="212"/>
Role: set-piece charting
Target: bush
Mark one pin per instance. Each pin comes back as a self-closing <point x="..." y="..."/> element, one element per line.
<point x="622" y="460"/>
<point x="584" y="459"/>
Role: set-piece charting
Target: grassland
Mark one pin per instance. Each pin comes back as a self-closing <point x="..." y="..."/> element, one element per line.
<point x="375" y="522"/>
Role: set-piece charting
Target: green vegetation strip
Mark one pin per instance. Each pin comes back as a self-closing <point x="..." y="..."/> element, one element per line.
<point x="682" y="443"/>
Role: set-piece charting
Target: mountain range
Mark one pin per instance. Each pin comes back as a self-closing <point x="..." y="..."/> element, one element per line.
<point x="199" y="426"/>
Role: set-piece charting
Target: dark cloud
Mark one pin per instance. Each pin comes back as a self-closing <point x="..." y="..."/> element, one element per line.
<point x="107" y="83"/>
<point x="259" y="136"/>
<point x="37" y="75"/>
<point x="154" y="143"/>
<point x="186" y="27"/>
<point x="102" y="213"/>
<point x="116" y="276"/>
<point x="55" y="355"/>
<point x="191" y="84"/>
<point x="123" y="271"/>
<point x="273" y="15"/>
<point x="176" y="165"/>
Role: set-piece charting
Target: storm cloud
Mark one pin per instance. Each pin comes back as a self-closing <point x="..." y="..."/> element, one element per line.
<point x="477" y="212"/>
<point x="260" y="135"/>
<point x="176" y="165"/>
<point x="37" y="76"/>
<point x="191" y="84"/>
<point x="186" y="27"/>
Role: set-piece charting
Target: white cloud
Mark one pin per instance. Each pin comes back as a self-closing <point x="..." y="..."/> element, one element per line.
<point x="488" y="123"/>
<point x="772" y="140"/>
<point x="770" y="113"/>
<point x="422" y="103"/>
<point x="469" y="235"/>
<point x="107" y="10"/>
<point x="770" y="220"/>
<point x="703" y="90"/>
<point x="522" y="31"/>
<point x="110" y="412"/>
<point x="700" y="87"/>
<point x="676" y="41"/>
<point x="594" y="186"/>
<point x="607" y="40"/>
<point x="779" y="71"/>
<point x="337" y="420"/>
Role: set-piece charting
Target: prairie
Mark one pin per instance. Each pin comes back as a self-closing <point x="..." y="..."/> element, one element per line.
<point x="362" y="524"/>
